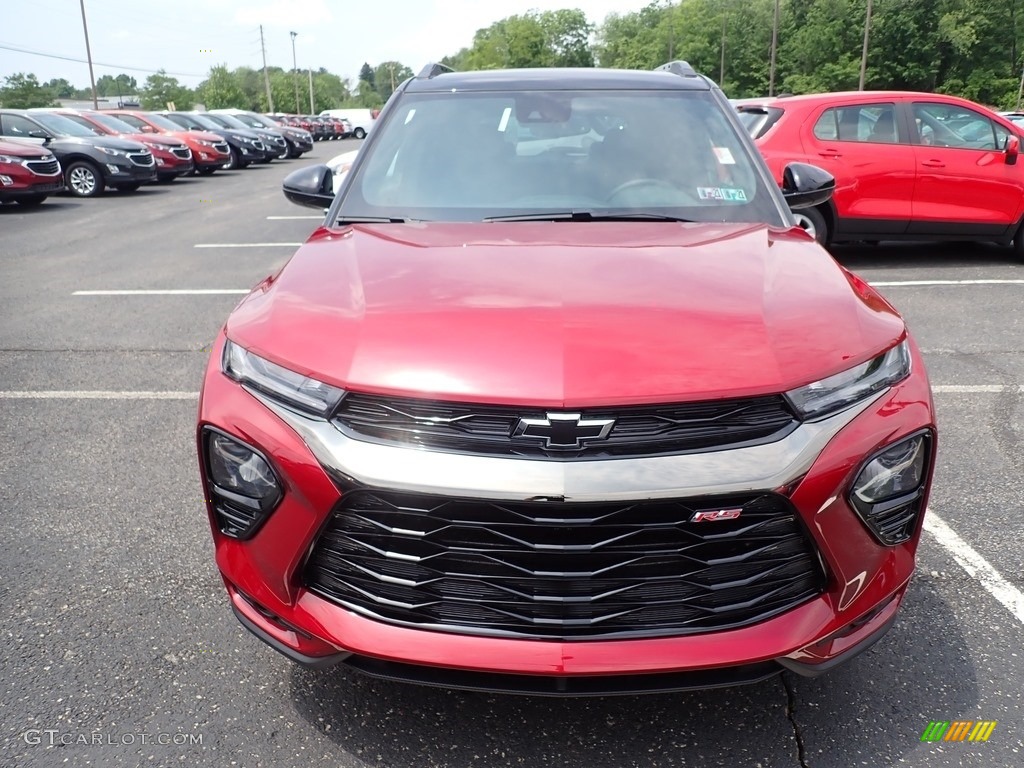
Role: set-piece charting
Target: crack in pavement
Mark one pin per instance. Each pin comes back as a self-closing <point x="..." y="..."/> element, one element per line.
<point x="801" y="750"/>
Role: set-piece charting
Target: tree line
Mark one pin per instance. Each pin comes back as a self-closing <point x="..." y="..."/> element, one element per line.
<point x="970" y="48"/>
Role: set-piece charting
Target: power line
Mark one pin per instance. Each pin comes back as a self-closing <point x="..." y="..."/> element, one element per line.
<point x="121" y="67"/>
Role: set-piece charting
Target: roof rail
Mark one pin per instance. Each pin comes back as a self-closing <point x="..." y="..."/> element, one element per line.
<point x="681" y="68"/>
<point x="433" y="69"/>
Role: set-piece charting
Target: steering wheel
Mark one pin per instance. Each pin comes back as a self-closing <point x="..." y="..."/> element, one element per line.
<point x="659" y="184"/>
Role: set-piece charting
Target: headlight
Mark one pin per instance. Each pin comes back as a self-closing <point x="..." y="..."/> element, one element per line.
<point x="205" y="143"/>
<point x="112" y="152"/>
<point x="157" y="147"/>
<point x="896" y="471"/>
<point x="844" y="389"/>
<point x="10" y="160"/>
<point x="292" y="389"/>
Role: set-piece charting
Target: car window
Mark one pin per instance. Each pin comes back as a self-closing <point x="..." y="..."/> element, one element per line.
<point x="133" y="121"/>
<point x="17" y="126"/>
<point x="950" y="125"/>
<point x="869" y="123"/>
<point x="758" y="120"/>
<point x="509" y="153"/>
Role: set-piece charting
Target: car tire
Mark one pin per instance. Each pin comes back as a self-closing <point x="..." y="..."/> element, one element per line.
<point x="293" y="153"/>
<point x="235" y="162"/>
<point x="127" y="187"/>
<point x="1018" y="245"/>
<point x="814" y="223"/>
<point x="83" y="179"/>
<point x="359" y="133"/>
<point x="31" y="201"/>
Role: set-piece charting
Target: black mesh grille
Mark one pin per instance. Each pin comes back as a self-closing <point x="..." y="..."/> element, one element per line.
<point x="564" y="570"/>
<point x="43" y="167"/>
<point x="183" y="152"/>
<point x="145" y="159"/>
<point x="636" y="430"/>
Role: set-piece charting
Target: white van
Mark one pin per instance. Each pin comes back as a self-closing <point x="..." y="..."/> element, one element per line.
<point x="362" y="120"/>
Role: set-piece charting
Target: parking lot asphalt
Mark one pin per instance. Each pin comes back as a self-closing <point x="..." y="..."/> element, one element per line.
<point x="117" y="635"/>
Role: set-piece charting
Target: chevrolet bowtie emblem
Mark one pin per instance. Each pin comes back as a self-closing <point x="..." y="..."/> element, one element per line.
<point x="565" y="431"/>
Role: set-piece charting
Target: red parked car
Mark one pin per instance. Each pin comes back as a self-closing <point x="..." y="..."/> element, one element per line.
<point x="173" y="157"/>
<point x="209" y="151"/>
<point x="590" y="417"/>
<point x="916" y="166"/>
<point x="28" y="173"/>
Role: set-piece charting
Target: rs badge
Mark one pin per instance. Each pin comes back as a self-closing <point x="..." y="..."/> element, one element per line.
<point x="711" y="515"/>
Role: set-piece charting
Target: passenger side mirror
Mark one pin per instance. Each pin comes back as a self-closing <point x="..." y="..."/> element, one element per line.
<point x="312" y="186"/>
<point x="805" y="186"/>
<point x="40" y="135"/>
<point x="1012" y="150"/>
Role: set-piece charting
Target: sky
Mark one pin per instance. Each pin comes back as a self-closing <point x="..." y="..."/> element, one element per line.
<point x="187" y="37"/>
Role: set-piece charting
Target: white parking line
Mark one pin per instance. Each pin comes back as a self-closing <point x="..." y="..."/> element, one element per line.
<point x="914" y="283"/>
<point x="289" y="218"/>
<point x="171" y="292"/>
<point x="976" y="566"/>
<point x="977" y="389"/>
<point x="79" y="394"/>
<point x="247" y="245"/>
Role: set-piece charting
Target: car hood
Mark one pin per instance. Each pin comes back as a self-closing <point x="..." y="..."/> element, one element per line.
<point x="565" y="314"/>
<point x="27" y="149"/>
<point x="163" y="140"/>
<point x="111" y="142"/>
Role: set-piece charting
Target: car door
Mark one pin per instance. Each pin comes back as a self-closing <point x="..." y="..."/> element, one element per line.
<point x="964" y="185"/>
<point x="21" y="128"/>
<point x="867" y="147"/>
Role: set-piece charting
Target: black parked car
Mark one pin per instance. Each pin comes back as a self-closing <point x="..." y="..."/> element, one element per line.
<point x="246" y="147"/>
<point x="91" y="162"/>
<point x="299" y="140"/>
<point x="273" y="140"/>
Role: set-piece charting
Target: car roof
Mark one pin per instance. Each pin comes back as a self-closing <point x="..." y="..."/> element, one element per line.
<point x="849" y="96"/>
<point x="567" y="79"/>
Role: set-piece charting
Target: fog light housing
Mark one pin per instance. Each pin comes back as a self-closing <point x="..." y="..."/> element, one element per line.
<point x="888" y="492"/>
<point x="243" y="486"/>
<point x="113" y="168"/>
<point x="6" y="181"/>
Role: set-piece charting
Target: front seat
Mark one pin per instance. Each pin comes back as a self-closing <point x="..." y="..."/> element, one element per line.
<point x="884" y="131"/>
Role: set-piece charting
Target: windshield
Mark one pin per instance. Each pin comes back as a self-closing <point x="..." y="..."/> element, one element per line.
<point x="202" y="120"/>
<point x="757" y="120"/>
<point x="228" y="121"/>
<point x="163" y="123"/>
<point x="255" y="121"/>
<point x="113" y="123"/>
<point x="62" y="126"/>
<point x="471" y="156"/>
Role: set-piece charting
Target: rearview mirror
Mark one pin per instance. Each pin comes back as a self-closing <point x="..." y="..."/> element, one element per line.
<point x="312" y="186"/>
<point x="1012" y="150"/>
<point x="805" y="186"/>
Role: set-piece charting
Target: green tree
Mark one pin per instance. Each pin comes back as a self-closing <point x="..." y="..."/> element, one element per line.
<point x="389" y="76"/>
<point x="367" y="73"/>
<point x="121" y="85"/>
<point x="221" y="89"/>
<point x="61" y="88"/>
<point x="161" y="89"/>
<point x="23" y="91"/>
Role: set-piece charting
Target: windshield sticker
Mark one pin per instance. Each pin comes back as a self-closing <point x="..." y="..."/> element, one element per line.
<point x="724" y="156"/>
<point x="725" y="194"/>
<point x="504" y="119"/>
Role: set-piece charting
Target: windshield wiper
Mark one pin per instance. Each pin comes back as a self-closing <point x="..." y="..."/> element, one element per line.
<point x="587" y="216"/>
<point x="369" y="220"/>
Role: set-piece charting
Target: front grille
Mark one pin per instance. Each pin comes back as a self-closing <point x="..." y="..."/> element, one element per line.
<point x="43" y="167"/>
<point x="183" y="152"/>
<point x="564" y="570"/>
<point x="637" y="430"/>
<point x="279" y="141"/>
<point x="258" y="145"/>
<point x="222" y="147"/>
<point x="144" y="159"/>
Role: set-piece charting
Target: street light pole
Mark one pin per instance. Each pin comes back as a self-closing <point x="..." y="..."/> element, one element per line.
<point x="295" y="73"/>
<point x="88" y="54"/>
<point x="312" y="111"/>
<point x="775" y="46"/>
<point x="864" y="50"/>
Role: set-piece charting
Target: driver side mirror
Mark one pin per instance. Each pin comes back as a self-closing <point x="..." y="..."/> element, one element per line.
<point x="805" y="186"/>
<point x="312" y="186"/>
<point x="40" y="135"/>
<point x="1012" y="150"/>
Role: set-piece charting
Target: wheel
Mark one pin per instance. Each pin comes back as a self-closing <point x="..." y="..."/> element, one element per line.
<point x="31" y="201"/>
<point x="359" y="133"/>
<point x="83" y="179"/>
<point x="1018" y="245"/>
<point x="235" y="162"/>
<point x="283" y="154"/>
<point x="127" y="187"/>
<point x="293" y="153"/>
<point x="812" y="220"/>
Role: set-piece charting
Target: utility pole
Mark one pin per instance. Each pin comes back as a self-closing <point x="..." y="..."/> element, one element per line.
<point x="266" y="75"/>
<point x="721" y="67"/>
<point x="864" y="51"/>
<point x="775" y="46"/>
<point x="312" y="110"/>
<point x="88" y="54"/>
<point x="295" y="74"/>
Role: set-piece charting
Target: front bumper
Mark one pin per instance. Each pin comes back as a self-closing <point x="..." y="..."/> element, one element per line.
<point x="866" y="581"/>
<point x="117" y="172"/>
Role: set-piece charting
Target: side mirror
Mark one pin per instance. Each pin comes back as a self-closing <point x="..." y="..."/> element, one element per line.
<point x="312" y="186"/>
<point x="1012" y="150"/>
<point x="40" y="135"/>
<point x="805" y="186"/>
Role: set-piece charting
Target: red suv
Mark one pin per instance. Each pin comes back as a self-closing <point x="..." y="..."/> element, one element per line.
<point x="28" y="173"/>
<point x="593" y="416"/>
<point x="916" y="166"/>
<point x="209" y="151"/>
